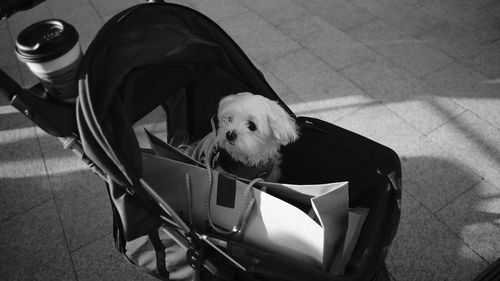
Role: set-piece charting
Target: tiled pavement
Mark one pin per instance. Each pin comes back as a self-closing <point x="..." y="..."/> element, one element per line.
<point x="420" y="76"/>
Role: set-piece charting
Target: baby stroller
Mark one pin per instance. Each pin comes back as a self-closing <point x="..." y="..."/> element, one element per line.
<point x="168" y="55"/>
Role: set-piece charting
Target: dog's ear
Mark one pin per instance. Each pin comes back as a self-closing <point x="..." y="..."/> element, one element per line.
<point x="214" y="121"/>
<point x="281" y="123"/>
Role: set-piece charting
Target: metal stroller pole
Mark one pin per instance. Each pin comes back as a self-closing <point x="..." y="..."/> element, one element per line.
<point x="74" y="144"/>
<point x="195" y="254"/>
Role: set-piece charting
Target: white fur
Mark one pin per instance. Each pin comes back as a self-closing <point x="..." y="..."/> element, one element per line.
<point x="274" y="128"/>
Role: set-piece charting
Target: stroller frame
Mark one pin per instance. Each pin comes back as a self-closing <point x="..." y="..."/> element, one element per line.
<point x="91" y="143"/>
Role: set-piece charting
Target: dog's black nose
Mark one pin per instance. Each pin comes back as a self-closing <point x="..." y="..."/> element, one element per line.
<point x="230" y="135"/>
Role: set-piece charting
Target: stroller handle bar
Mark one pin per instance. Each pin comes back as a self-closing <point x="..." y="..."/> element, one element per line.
<point x="10" y="7"/>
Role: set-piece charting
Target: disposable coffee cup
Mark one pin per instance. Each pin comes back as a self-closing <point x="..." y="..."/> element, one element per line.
<point x="51" y="51"/>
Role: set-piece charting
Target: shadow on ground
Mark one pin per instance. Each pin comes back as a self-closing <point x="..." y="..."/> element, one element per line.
<point x="430" y="245"/>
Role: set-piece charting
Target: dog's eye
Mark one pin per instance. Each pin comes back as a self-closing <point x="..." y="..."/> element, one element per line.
<point x="229" y="119"/>
<point x="251" y="126"/>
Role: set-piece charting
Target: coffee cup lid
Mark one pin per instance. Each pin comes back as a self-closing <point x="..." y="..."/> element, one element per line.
<point x="45" y="40"/>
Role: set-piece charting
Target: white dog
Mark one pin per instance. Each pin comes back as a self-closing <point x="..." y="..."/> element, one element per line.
<point x="250" y="130"/>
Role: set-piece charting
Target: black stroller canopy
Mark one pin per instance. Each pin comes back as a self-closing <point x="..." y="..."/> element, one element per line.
<point x="143" y="56"/>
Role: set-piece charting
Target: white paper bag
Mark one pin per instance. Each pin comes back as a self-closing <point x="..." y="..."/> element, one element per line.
<point x="299" y="232"/>
<point x="273" y="225"/>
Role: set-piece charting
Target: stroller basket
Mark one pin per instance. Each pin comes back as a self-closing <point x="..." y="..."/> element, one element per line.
<point x="169" y="55"/>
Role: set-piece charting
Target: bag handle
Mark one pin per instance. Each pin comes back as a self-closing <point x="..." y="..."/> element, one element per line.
<point x="248" y="201"/>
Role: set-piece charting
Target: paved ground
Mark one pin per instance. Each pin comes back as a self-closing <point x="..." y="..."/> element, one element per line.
<point x="420" y="76"/>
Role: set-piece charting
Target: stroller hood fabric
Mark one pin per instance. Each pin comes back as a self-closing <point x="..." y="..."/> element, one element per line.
<point x="166" y="43"/>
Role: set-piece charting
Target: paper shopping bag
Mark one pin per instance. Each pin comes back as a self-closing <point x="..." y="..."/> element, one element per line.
<point x="212" y="201"/>
<point x="330" y="205"/>
<point x="203" y="197"/>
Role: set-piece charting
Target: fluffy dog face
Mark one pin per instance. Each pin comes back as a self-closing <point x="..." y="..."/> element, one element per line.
<point x="252" y="128"/>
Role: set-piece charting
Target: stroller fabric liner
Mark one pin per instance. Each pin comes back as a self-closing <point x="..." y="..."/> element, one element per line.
<point x="169" y="55"/>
